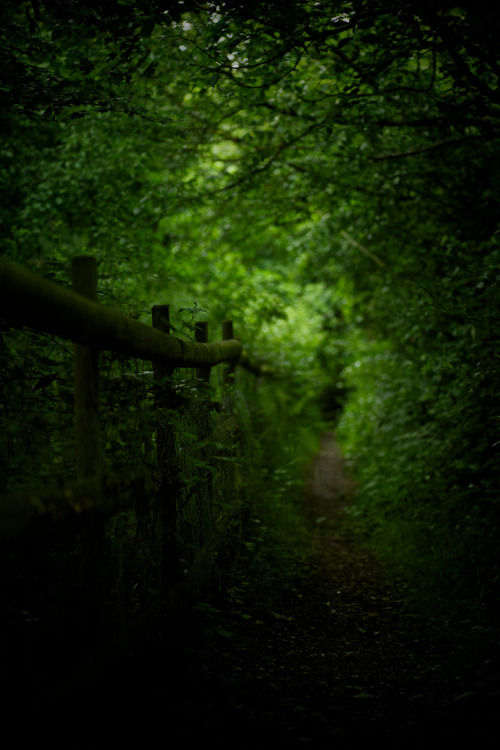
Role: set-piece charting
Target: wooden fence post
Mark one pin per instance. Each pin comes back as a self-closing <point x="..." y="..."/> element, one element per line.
<point x="229" y="369"/>
<point x="88" y="459"/>
<point x="201" y="571"/>
<point x="165" y="398"/>
<point x="86" y="375"/>
<point x="201" y="337"/>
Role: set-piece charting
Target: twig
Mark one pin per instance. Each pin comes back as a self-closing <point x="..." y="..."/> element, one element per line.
<point x="431" y="147"/>
<point x="362" y="248"/>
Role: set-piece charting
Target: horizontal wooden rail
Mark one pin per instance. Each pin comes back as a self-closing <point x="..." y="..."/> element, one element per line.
<point x="28" y="299"/>
<point x="73" y="500"/>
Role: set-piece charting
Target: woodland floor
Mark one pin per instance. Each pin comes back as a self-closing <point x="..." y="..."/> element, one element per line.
<point x="336" y="659"/>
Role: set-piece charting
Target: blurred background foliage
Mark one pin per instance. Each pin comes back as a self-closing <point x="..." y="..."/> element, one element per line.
<point x="326" y="175"/>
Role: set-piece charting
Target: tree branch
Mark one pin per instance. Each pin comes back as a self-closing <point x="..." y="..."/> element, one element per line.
<point x="431" y="147"/>
<point x="363" y="249"/>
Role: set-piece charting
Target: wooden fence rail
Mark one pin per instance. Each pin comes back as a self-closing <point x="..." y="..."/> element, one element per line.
<point x="29" y="300"/>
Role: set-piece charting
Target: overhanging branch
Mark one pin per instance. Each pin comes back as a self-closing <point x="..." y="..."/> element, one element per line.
<point x="430" y="147"/>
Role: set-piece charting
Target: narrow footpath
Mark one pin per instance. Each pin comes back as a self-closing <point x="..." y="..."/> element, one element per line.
<point x="339" y="659"/>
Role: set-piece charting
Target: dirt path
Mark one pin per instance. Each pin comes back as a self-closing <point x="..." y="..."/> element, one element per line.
<point x="341" y="658"/>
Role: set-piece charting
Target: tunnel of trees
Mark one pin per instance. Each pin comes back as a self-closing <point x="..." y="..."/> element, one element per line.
<point x="325" y="174"/>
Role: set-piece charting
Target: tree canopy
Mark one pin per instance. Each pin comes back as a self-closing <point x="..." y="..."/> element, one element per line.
<point x="325" y="173"/>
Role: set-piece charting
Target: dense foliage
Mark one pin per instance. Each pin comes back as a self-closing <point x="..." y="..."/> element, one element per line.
<point x="324" y="173"/>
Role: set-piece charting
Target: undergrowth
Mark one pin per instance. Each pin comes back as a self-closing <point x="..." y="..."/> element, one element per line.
<point x="275" y="536"/>
<point x="420" y="439"/>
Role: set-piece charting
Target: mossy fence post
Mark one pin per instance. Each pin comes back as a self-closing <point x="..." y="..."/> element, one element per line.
<point x="165" y="399"/>
<point x="229" y="370"/>
<point x="203" y="566"/>
<point x="88" y="460"/>
<point x="201" y="337"/>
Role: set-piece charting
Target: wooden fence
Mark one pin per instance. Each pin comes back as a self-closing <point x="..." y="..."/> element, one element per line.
<point x="29" y="300"/>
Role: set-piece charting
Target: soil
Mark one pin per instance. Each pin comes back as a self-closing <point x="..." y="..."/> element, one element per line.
<point x="337" y="658"/>
<point x="340" y="657"/>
